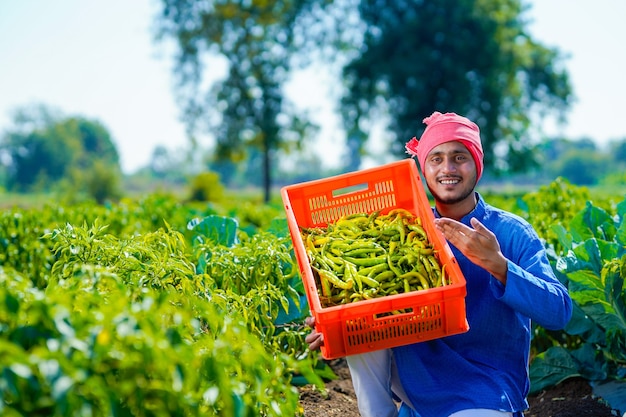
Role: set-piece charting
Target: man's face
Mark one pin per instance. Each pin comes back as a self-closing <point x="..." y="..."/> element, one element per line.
<point x="450" y="173"/>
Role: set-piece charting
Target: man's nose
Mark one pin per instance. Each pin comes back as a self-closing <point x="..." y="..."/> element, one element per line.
<point x="449" y="165"/>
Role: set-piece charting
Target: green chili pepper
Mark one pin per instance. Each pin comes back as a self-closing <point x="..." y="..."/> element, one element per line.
<point x="385" y="276"/>
<point x="334" y="279"/>
<point x="422" y="279"/>
<point x="371" y="282"/>
<point x="366" y="261"/>
<point x="361" y="256"/>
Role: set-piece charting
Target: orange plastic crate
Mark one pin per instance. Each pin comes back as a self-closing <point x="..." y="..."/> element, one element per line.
<point x="365" y="326"/>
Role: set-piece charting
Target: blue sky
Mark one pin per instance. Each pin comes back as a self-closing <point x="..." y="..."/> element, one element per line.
<point x="98" y="60"/>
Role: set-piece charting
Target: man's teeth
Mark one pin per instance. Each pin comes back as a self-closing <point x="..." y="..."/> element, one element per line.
<point x="449" y="182"/>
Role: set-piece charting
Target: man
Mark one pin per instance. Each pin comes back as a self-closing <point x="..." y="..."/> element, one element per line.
<point x="483" y="372"/>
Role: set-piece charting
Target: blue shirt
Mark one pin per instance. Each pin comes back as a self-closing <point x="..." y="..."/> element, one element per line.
<point x="487" y="367"/>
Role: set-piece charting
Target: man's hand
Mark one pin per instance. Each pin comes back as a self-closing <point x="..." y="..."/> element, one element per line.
<point x="314" y="339"/>
<point x="478" y="244"/>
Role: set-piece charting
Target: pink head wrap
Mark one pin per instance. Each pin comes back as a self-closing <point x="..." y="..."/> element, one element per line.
<point x="448" y="127"/>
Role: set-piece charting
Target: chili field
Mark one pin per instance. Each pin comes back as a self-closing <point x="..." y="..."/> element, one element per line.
<point x="156" y="307"/>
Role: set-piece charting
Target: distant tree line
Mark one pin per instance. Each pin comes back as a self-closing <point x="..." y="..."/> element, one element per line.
<point x="397" y="61"/>
<point x="582" y="162"/>
<point x="45" y="151"/>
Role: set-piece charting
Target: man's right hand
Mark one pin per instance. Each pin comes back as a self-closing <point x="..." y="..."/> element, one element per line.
<point x="314" y="339"/>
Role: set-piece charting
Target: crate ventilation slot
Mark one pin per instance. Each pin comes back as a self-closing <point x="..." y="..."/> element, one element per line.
<point x="351" y="200"/>
<point x="361" y="331"/>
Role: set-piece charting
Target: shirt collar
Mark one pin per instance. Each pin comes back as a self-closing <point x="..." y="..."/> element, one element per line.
<point x="478" y="211"/>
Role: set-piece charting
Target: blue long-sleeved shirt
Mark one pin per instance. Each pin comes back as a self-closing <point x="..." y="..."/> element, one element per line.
<point x="487" y="367"/>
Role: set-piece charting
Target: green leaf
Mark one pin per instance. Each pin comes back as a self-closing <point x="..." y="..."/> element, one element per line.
<point x="563" y="236"/>
<point x="220" y="230"/>
<point x="567" y="263"/>
<point x="586" y="256"/>
<point x="63" y="326"/>
<point x="591" y="222"/>
<point x="589" y="256"/>
<point x="603" y="314"/>
<point x="296" y="311"/>
<point x="615" y="294"/>
<point x="12" y="303"/>
<point x="581" y="325"/>
<point x="621" y="209"/>
<point x="21" y="370"/>
<point x="61" y="386"/>
<point x="557" y="364"/>
<point x="551" y="367"/>
<point x="279" y="227"/>
<point x="587" y="279"/>
<point x="613" y="392"/>
<point x="591" y="363"/>
<point x="609" y="249"/>
<point x="584" y="297"/>
<point x="620" y="234"/>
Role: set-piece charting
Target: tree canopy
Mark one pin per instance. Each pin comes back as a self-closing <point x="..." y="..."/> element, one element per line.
<point x="45" y="148"/>
<point x="472" y="57"/>
<point x="247" y="108"/>
<point x="404" y="60"/>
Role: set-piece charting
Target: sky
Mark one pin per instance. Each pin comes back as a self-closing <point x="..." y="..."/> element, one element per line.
<point x="99" y="60"/>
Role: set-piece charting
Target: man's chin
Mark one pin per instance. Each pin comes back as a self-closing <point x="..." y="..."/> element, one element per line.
<point x="447" y="196"/>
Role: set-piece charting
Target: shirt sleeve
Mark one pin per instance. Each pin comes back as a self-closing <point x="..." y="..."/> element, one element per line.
<point x="531" y="288"/>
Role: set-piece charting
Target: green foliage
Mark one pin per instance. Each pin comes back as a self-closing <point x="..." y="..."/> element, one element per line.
<point x="594" y="263"/>
<point x="581" y="161"/>
<point x="156" y="259"/>
<point x="471" y="57"/>
<point x="153" y="307"/>
<point x="510" y="200"/>
<point x="557" y="202"/>
<point x="21" y="247"/>
<point x="613" y="179"/>
<point x="206" y="186"/>
<point x="112" y="311"/>
<point x="218" y="230"/>
<point x="101" y="182"/>
<point x="582" y="167"/>
<point x="92" y="348"/>
<point x="258" y="273"/>
<point x="245" y="110"/>
<point x="44" y="149"/>
<point x="254" y="215"/>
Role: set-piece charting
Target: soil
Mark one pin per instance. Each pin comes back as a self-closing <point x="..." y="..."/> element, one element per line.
<point x="571" y="398"/>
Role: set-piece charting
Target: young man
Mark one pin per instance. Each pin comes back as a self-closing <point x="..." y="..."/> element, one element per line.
<point x="510" y="282"/>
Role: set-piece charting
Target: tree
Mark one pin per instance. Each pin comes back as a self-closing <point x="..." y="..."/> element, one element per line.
<point x="616" y="159"/>
<point x="405" y="58"/>
<point x="579" y="161"/>
<point x="100" y="182"/>
<point x="617" y="149"/>
<point x="32" y="151"/>
<point x="247" y="108"/>
<point x="45" y="148"/>
<point x="472" y="57"/>
<point x="582" y="167"/>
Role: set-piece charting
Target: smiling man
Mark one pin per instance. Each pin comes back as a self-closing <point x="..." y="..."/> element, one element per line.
<point x="451" y="157"/>
<point x="509" y="281"/>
